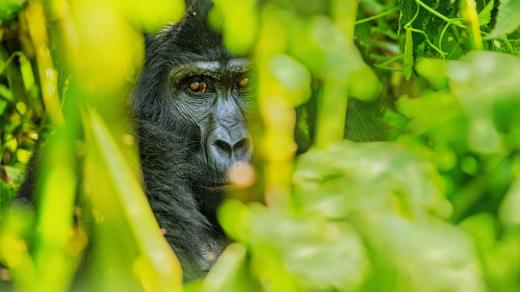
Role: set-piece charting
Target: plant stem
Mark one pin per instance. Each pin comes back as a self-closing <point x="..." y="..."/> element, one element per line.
<point x="374" y="17"/>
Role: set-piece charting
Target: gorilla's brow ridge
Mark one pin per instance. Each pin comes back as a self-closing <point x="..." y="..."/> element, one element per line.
<point x="209" y="68"/>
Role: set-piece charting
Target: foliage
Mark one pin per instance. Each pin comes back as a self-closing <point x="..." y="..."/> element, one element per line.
<point x="433" y="209"/>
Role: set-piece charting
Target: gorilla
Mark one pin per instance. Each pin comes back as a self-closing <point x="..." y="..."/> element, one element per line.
<point x="190" y="106"/>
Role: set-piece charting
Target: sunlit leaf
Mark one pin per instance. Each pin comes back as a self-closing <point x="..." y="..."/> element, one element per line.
<point x="156" y="265"/>
<point x="488" y="86"/>
<point x="435" y="256"/>
<point x="433" y="70"/>
<point x="293" y="77"/>
<point x="27" y="73"/>
<point x="238" y="21"/>
<point x="509" y="214"/>
<point x="507" y="19"/>
<point x="152" y="14"/>
<point x="312" y="253"/>
<point x="229" y="273"/>
<point x="371" y="177"/>
<point x="485" y="14"/>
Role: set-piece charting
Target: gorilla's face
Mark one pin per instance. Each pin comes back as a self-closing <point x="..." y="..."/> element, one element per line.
<point x="213" y="96"/>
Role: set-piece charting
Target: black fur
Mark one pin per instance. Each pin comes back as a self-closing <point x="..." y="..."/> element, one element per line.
<point x="168" y="142"/>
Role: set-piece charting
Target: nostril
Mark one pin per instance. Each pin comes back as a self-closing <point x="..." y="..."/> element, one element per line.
<point x="241" y="146"/>
<point x="223" y="146"/>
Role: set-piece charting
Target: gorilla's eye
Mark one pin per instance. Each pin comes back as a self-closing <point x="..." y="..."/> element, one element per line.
<point x="242" y="82"/>
<point x="197" y="86"/>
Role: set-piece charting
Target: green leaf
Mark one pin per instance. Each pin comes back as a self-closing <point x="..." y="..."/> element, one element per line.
<point x="6" y="92"/>
<point x="507" y="19"/>
<point x="488" y="87"/>
<point x="418" y="111"/>
<point x="156" y="265"/>
<point x="230" y="271"/>
<point x="508" y="213"/>
<point x="435" y="256"/>
<point x="6" y="193"/>
<point x="163" y="12"/>
<point x="485" y="14"/>
<point x="348" y="177"/>
<point x="3" y="106"/>
<point x="433" y="70"/>
<point x="9" y="8"/>
<point x="293" y="78"/>
<point x="305" y="252"/>
<point x="240" y="23"/>
<point x="407" y="9"/>
<point x="27" y="73"/>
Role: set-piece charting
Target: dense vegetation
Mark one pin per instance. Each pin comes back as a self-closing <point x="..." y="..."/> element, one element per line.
<point x="434" y="208"/>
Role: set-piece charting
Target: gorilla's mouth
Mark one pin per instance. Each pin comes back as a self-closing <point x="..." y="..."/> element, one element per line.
<point x="213" y="187"/>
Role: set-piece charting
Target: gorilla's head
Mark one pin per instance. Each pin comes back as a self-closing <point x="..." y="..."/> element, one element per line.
<point x="193" y="87"/>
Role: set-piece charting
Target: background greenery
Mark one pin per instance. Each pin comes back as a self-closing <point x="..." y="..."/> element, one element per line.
<point x="435" y="208"/>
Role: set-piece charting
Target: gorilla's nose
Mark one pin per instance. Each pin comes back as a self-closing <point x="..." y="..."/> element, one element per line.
<point x="230" y="145"/>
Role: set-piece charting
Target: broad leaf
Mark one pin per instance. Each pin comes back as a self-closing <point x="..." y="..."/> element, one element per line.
<point x="507" y="19"/>
<point x="485" y="14"/>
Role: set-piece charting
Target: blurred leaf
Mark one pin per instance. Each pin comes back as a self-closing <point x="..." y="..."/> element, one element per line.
<point x="507" y="19"/>
<point x="8" y="8"/>
<point x="444" y="104"/>
<point x="502" y="263"/>
<point x="420" y="256"/>
<point x="156" y="266"/>
<point x="238" y="22"/>
<point x="6" y="92"/>
<point x="119" y="46"/>
<point x="16" y="226"/>
<point x="293" y="77"/>
<point x="433" y="70"/>
<point x="316" y="255"/>
<point x="468" y="11"/>
<point x="3" y="106"/>
<point x="152" y="14"/>
<point x="56" y="193"/>
<point x="509" y="214"/>
<point x="14" y="174"/>
<point x="230" y="272"/>
<point x="369" y="177"/>
<point x="482" y="227"/>
<point x="6" y="194"/>
<point x="484" y="81"/>
<point x="46" y="71"/>
<point x="27" y="73"/>
<point x="23" y="155"/>
<point x="485" y="14"/>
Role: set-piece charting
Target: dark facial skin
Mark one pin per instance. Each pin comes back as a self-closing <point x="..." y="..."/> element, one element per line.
<point x="214" y="96"/>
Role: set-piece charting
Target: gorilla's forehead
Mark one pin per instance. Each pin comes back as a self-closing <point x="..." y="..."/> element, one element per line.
<point x="227" y="65"/>
<point x="213" y="68"/>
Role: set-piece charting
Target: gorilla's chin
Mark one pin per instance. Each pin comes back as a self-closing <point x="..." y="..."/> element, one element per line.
<point x="213" y="188"/>
<point x="208" y="198"/>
